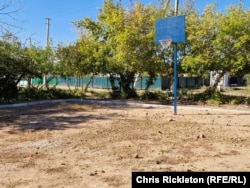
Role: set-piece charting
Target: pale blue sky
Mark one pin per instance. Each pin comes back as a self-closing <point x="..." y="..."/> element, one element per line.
<point x="32" y="16"/>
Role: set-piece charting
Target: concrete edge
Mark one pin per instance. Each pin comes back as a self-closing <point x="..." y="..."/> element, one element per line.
<point x="123" y="103"/>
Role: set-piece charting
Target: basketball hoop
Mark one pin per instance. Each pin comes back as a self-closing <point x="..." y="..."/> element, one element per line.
<point x="165" y="43"/>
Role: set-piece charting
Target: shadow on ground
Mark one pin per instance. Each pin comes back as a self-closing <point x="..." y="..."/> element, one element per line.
<point x="58" y="116"/>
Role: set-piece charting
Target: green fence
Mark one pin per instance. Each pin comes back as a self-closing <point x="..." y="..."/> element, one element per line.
<point x="39" y="81"/>
<point x="103" y="82"/>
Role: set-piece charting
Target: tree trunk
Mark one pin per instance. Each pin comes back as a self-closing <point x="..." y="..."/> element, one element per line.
<point x="29" y="82"/>
<point x="87" y="85"/>
<point x="126" y="81"/>
<point x="112" y="82"/>
<point x="150" y="80"/>
<point x="218" y="79"/>
<point x="76" y="82"/>
<point x="67" y="80"/>
<point x="137" y="78"/>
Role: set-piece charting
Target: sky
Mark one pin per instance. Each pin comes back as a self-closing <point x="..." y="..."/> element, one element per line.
<point x="31" y="17"/>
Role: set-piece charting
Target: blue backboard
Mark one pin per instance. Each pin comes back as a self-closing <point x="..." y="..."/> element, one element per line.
<point x="170" y="28"/>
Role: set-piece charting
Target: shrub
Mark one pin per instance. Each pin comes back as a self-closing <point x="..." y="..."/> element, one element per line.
<point x="29" y="94"/>
<point x="154" y="95"/>
<point x="183" y="93"/>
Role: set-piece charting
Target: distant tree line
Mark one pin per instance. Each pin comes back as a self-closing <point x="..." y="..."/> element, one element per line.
<point x="120" y="43"/>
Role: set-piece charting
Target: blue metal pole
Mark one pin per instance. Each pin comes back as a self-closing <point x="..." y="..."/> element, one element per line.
<point x="175" y="78"/>
<point x="175" y="65"/>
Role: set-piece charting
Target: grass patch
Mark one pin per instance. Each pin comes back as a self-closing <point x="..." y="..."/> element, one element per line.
<point x="214" y="97"/>
<point x="210" y="96"/>
<point x="78" y="107"/>
<point x="100" y="94"/>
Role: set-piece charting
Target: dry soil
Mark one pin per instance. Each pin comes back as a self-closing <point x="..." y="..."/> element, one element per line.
<point x="87" y="145"/>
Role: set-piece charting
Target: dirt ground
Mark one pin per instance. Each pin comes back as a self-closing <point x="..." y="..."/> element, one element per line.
<point x="98" y="145"/>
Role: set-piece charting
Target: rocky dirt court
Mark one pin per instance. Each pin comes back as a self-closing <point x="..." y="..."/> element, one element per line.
<point x="96" y="145"/>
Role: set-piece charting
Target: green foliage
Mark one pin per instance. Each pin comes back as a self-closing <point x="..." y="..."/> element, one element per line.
<point x="247" y="100"/>
<point x="124" y="42"/>
<point x="115" y="94"/>
<point x="77" y="93"/>
<point x="9" y="91"/>
<point x="118" y="94"/>
<point x="124" y="95"/>
<point x="154" y="95"/>
<point x="31" y="94"/>
<point x="182" y="93"/>
<point x="101" y="94"/>
<point x="248" y="90"/>
<point x="212" y="96"/>
<point x="217" y="42"/>
<point x="247" y="78"/>
<point x="120" y="42"/>
<point x="14" y="65"/>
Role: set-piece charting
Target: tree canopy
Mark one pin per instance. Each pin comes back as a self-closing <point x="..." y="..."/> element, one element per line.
<point x="120" y="43"/>
<point x="218" y="42"/>
<point x="126" y="37"/>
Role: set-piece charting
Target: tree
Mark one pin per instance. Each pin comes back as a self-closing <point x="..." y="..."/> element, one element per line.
<point x="200" y="33"/>
<point x="217" y="42"/>
<point x="232" y="42"/>
<point x="126" y="37"/>
<point x="14" y="63"/>
<point x="137" y="46"/>
<point x="68" y="62"/>
<point x="43" y="63"/>
<point x="80" y="59"/>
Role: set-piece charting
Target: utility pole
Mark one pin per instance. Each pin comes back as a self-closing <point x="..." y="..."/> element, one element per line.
<point x="47" y="45"/>
<point x="47" y="31"/>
